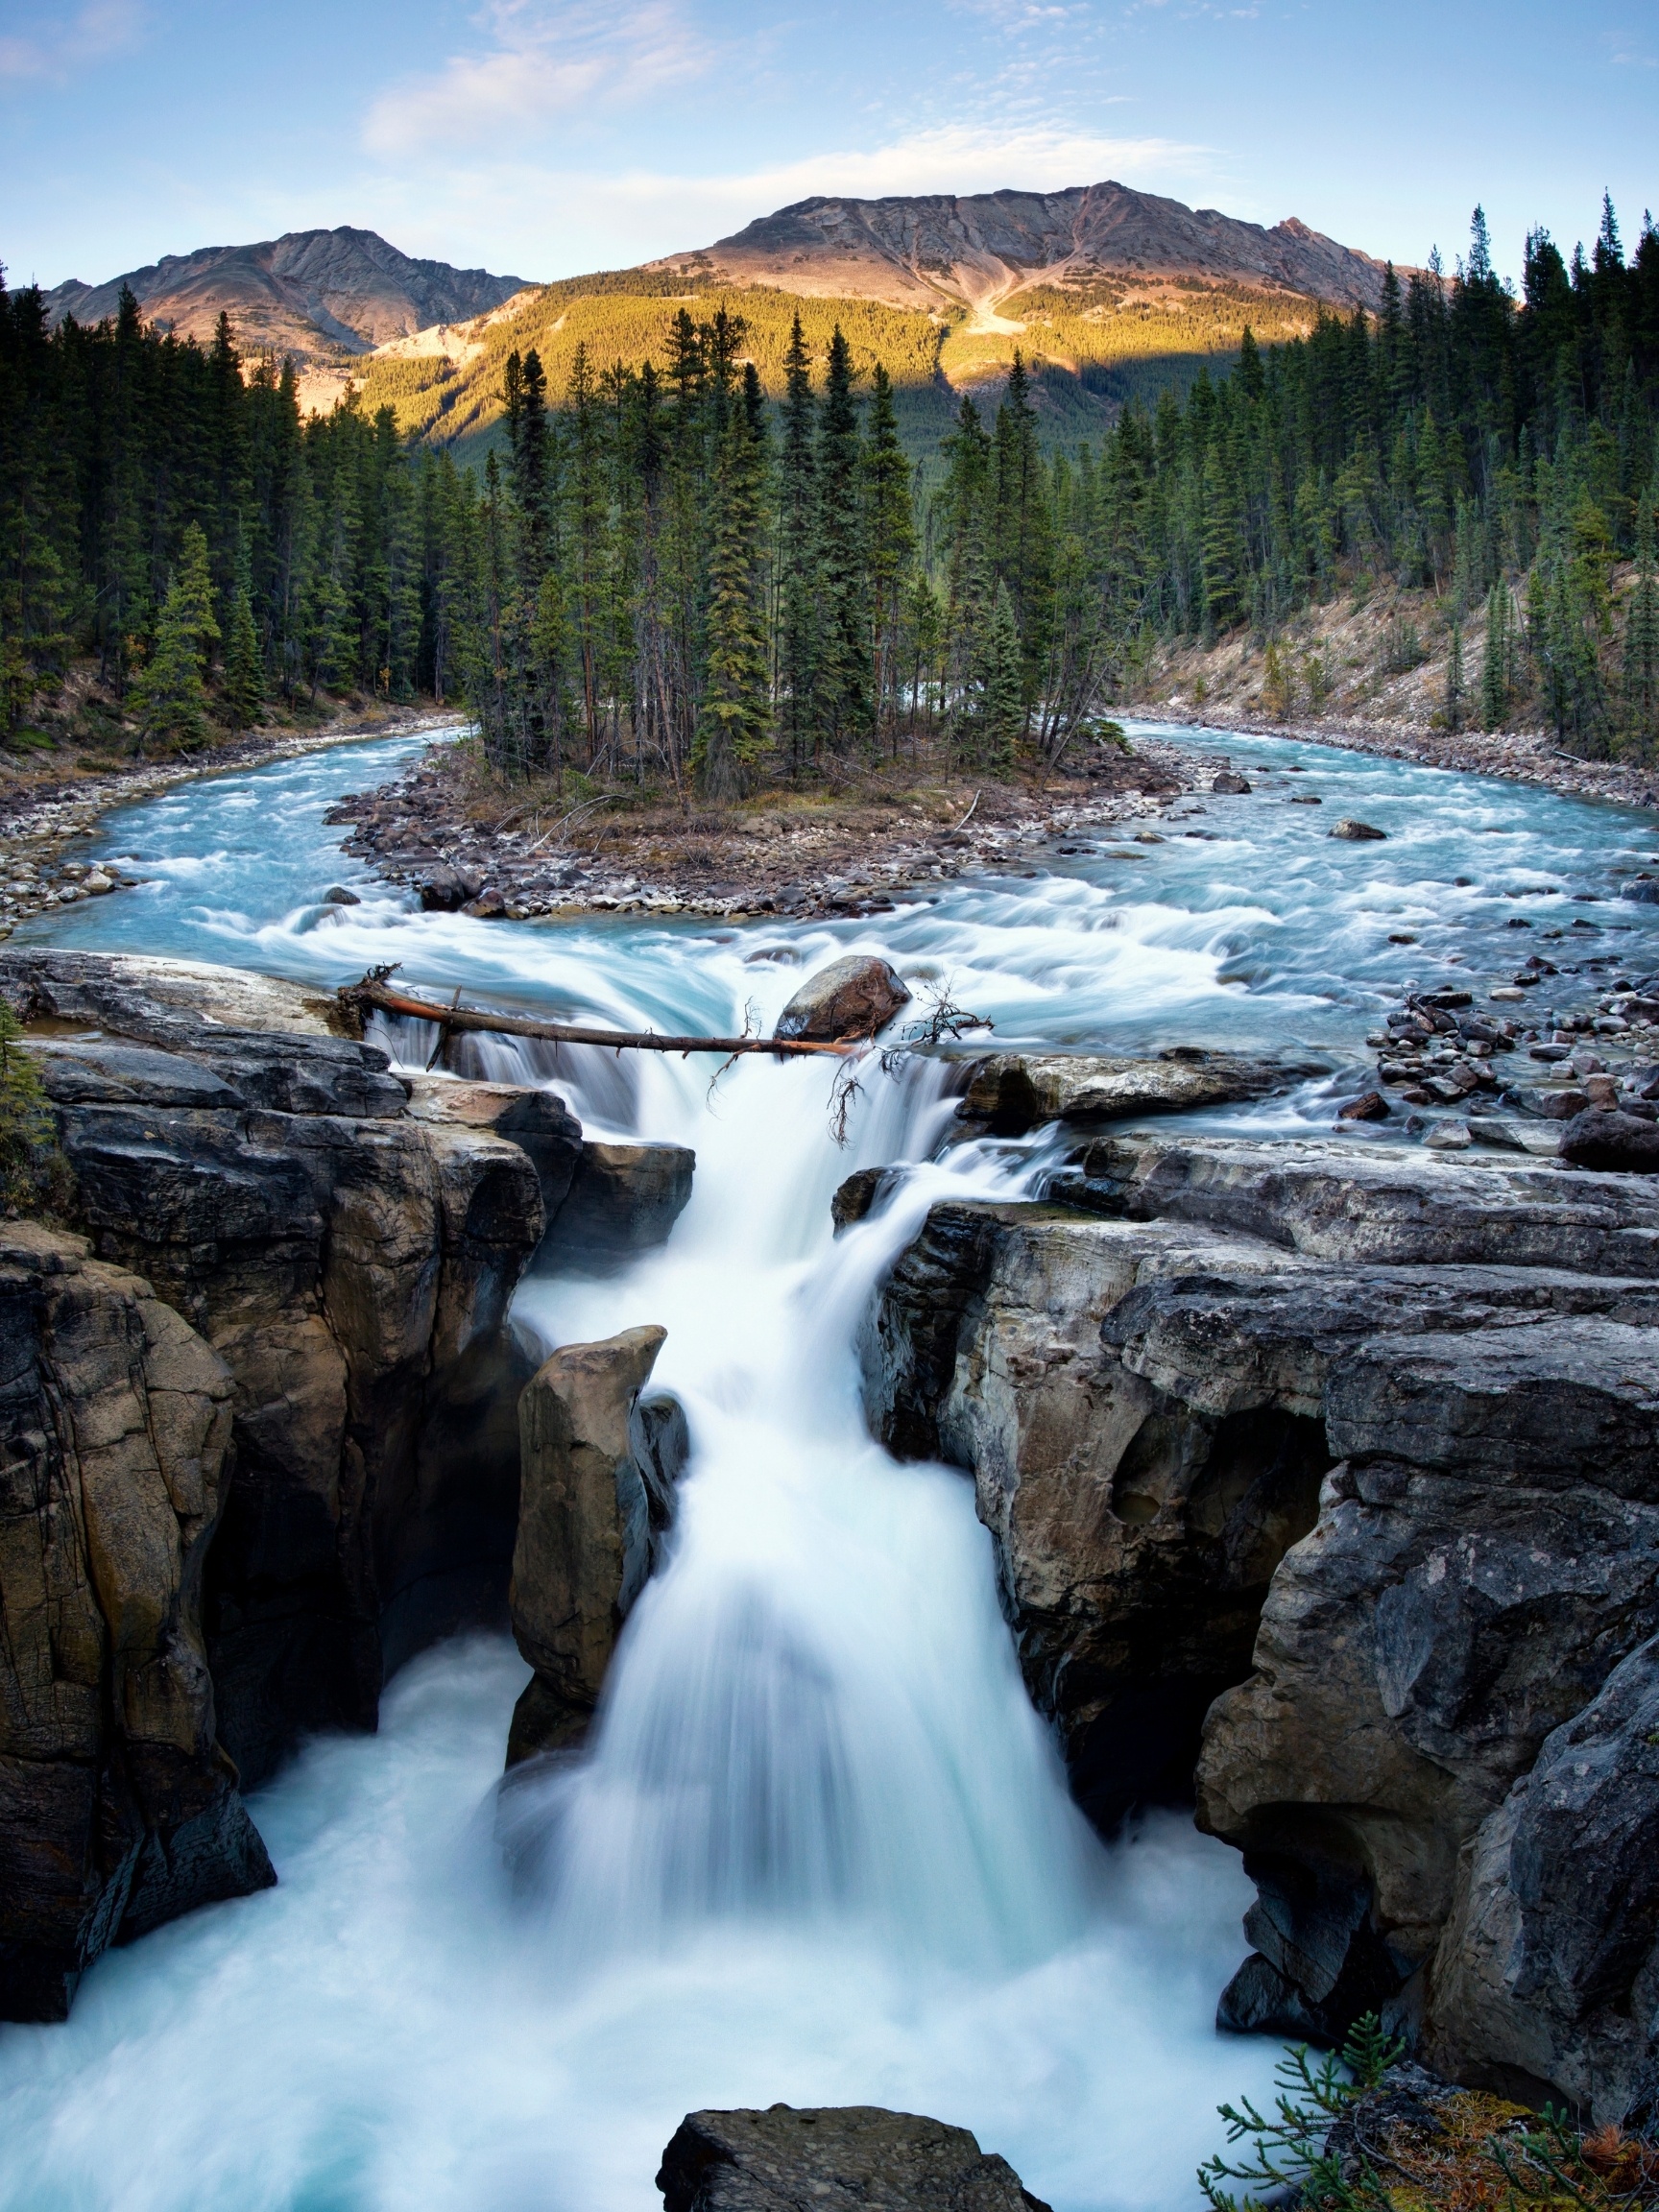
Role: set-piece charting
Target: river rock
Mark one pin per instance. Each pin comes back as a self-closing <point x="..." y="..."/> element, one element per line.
<point x="853" y="997"/>
<point x="445" y="890"/>
<point x="1013" y="1093"/>
<point x="857" y="1197"/>
<point x="1404" y="1406"/>
<point x="119" y="1809"/>
<point x="1606" y="1138"/>
<point x="839" y="2158"/>
<point x="1229" y="785"/>
<point x="1355" y="832"/>
<point x="585" y="1542"/>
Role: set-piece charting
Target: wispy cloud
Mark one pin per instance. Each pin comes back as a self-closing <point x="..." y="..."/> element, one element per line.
<point x="536" y="63"/>
<point x="52" y="52"/>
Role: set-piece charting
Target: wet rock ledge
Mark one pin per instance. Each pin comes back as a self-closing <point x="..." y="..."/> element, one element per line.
<point x="1323" y="1489"/>
<point x="259" y="1411"/>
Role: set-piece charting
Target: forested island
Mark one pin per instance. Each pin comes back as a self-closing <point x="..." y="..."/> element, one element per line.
<point x="674" y="574"/>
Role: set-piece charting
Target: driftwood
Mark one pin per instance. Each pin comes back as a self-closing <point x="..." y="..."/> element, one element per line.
<point x="374" y="993"/>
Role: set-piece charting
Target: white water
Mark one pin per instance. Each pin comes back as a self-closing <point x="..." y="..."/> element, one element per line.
<point x="820" y="1849"/>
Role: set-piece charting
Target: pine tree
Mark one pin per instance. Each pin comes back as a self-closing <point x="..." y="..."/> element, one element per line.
<point x="243" y="685"/>
<point x="844" y="708"/>
<point x="1454" y="687"/>
<point x="1000" y="719"/>
<point x="169" y="695"/>
<point x="795" y="566"/>
<point x="1496" y="666"/>
<point x="735" y="719"/>
<point x="890" y="538"/>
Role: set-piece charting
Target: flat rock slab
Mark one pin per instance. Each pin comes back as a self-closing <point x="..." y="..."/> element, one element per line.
<point x="834" y="2159"/>
<point x="1015" y="1092"/>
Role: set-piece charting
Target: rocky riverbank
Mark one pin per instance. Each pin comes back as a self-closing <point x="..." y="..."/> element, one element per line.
<point x="459" y="844"/>
<point x="43" y="812"/>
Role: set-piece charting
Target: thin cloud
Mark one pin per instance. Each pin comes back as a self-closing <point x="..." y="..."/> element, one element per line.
<point x="56" y="52"/>
<point x="542" y="61"/>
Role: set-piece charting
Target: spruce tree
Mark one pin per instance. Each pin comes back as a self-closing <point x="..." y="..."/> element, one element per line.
<point x="735" y="717"/>
<point x="796" y="563"/>
<point x="1497" y="668"/>
<point x="244" y="681"/>
<point x="1454" y="687"/>
<point x="169" y="696"/>
<point x="890" y="538"/>
<point x="1000" y="719"/>
<point x="844" y="708"/>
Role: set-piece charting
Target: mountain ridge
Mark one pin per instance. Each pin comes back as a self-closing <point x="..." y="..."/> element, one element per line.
<point x="316" y="294"/>
<point x="977" y="249"/>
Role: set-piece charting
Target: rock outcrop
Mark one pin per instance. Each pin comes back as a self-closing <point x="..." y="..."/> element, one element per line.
<point x="851" y="999"/>
<point x="834" y="2159"/>
<point x="1011" y="1092"/>
<point x="350" y="1260"/>
<point x="1391" y="1418"/>
<point x="598" y="1468"/>
<point x="119" y="1809"/>
<point x="623" y="1199"/>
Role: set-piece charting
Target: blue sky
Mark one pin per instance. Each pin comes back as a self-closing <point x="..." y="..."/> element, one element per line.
<point x="544" y="137"/>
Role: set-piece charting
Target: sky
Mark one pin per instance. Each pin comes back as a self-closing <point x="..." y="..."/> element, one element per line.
<point x="542" y="138"/>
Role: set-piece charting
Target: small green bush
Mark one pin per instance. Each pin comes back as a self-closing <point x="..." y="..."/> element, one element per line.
<point x="30" y="1162"/>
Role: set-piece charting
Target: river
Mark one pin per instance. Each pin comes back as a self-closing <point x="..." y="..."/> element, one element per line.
<point x="820" y="1848"/>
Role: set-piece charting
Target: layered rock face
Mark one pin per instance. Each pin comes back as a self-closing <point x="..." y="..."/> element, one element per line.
<point x="348" y="1241"/>
<point x="598" y="1468"/>
<point x="118" y="1806"/>
<point x="1400" y="1411"/>
<point x="847" y="2156"/>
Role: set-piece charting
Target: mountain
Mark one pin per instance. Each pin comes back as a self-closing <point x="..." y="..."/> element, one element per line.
<point x="314" y="294"/>
<point x="939" y="250"/>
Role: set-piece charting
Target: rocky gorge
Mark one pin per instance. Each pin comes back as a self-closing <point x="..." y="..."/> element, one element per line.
<point x="1325" y="1486"/>
<point x="262" y="1436"/>
<point x="1254" y="1437"/>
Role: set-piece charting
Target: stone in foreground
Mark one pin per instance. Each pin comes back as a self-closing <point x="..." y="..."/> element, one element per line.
<point x="851" y="999"/>
<point x="1614" y="1143"/>
<point x="1017" y="1091"/>
<point x="834" y="2159"/>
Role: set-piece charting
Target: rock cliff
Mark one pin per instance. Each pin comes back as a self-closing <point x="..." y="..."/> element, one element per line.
<point x="118" y="1806"/>
<point x="1331" y="1475"/>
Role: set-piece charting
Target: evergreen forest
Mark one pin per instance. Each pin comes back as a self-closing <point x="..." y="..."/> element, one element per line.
<point x="679" y="576"/>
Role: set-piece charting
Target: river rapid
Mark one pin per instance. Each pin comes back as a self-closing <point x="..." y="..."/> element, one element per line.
<point x="820" y="1848"/>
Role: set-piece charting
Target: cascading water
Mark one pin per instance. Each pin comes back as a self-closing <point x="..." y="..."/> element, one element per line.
<point x="819" y="1848"/>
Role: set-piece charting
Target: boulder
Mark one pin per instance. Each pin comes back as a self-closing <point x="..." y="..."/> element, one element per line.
<point x="1229" y="785"/>
<point x="119" y="1808"/>
<point x="840" y="2158"/>
<point x="1013" y="1093"/>
<point x="337" y="895"/>
<point x="1369" y="1106"/>
<point x="622" y="1199"/>
<point x="445" y="890"/>
<point x="857" y="1197"/>
<point x="1615" y="1142"/>
<point x="596" y="1475"/>
<point x="1356" y="833"/>
<point x="853" y="997"/>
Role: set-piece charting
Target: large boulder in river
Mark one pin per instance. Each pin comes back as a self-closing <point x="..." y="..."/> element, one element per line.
<point x="1402" y="1408"/>
<point x="1622" y="1143"/>
<point x="853" y="997"/>
<point x="839" y="2158"/>
<point x="596" y="1472"/>
<point x="119" y="1809"/>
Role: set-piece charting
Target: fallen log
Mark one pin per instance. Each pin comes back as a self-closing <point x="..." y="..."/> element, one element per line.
<point x="373" y="994"/>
